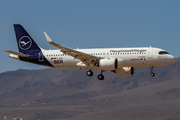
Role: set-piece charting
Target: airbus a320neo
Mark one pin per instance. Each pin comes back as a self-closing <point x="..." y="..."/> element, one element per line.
<point x="121" y="61"/>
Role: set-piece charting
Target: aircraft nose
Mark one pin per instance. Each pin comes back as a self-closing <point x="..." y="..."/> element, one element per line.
<point x="171" y="59"/>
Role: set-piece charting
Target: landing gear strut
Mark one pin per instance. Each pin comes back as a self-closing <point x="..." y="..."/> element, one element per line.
<point x="152" y="74"/>
<point x="101" y="76"/>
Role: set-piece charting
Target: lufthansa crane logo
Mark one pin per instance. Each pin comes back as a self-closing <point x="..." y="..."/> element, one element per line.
<point x="25" y="42"/>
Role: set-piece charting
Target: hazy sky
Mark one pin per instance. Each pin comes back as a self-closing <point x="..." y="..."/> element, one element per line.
<point x="90" y="24"/>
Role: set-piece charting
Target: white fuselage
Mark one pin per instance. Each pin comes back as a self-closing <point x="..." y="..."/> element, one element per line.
<point x="127" y="57"/>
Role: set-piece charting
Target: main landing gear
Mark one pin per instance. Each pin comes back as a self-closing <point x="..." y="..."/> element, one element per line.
<point x="89" y="73"/>
<point x="100" y="76"/>
<point x="152" y="74"/>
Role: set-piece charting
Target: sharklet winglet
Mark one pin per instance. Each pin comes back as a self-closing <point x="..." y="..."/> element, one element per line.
<point x="48" y="38"/>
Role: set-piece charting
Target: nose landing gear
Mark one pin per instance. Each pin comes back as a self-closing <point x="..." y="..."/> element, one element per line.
<point x="152" y="74"/>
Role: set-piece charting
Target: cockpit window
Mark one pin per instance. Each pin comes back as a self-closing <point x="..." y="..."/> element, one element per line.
<point x="163" y="52"/>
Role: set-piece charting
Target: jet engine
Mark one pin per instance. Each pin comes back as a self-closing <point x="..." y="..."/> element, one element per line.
<point x="124" y="71"/>
<point x="108" y="64"/>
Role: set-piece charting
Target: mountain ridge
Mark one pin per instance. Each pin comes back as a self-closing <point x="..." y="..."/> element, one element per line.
<point x="54" y="81"/>
<point x="70" y="94"/>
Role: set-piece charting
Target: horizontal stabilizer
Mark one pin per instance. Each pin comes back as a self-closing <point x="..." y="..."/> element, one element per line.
<point x="15" y="53"/>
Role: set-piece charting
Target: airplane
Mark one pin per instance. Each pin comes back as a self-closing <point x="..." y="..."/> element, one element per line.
<point x="121" y="61"/>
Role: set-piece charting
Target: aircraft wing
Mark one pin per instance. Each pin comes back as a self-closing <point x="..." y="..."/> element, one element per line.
<point x="85" y="58"/>
<point x="16" y="53"/>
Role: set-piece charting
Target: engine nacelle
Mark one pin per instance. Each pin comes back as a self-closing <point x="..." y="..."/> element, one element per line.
<point x="108" y="64"/>
<point x="124" y="71"/>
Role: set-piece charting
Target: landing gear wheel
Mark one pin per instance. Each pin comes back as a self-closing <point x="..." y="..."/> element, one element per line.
<point x="152" y="74"/>
<point x="89" y="73"/>
<point x="100" y="77"/>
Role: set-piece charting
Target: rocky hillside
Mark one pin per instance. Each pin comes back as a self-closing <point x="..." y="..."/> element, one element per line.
<point x="34" y="87"/>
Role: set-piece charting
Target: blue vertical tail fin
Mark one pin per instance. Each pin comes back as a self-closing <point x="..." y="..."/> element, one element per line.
<point x="26" y="43"/>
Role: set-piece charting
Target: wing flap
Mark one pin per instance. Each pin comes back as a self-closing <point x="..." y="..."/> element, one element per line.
<point x="16" y="53"/>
